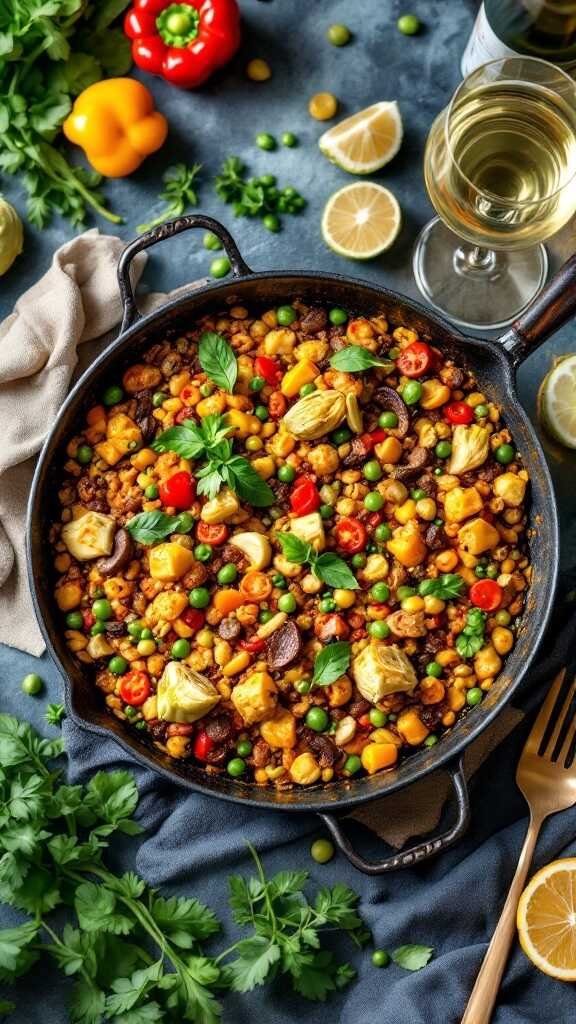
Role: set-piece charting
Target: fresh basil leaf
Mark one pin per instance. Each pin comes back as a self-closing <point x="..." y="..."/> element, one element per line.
<point x="445" y="587"/>
<point x="247" y="484"/>
<point x="412" y="958"/>
<point x="217" y="359"/>
<point x="331" y="663"/>
<point x="355" y="359"/>
<point x="186" y="440"/>
<point x="294" y="549"/>
<point x="149" y="527"/>
<point x="332" y="569"/>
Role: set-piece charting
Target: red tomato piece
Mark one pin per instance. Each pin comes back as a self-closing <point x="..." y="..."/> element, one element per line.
<point x="459" y="412"/>
<point x="254" y="645"/>
<point x="304" y="497"/>
<point x="211" y="533"/>
<point x="486" y="594"/>
<point x="267" y="368"/>
<point x="135" y="688"/>
<point x="351" y="535"/>
<point x="88" y="618"/>
<point x="202" y="746"/>
<point x="178" y="490"/>
<point x="193" y="618"/>
<point x="415" y="359"/>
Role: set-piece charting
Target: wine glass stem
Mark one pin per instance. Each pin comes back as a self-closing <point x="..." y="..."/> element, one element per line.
<point x="478" y="258"/>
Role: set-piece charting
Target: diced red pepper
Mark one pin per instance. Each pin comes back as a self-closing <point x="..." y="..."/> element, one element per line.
<point x="305" y="497"/>
<point x="193" y="618"/>
<point x="254" y="645"/>
<point x="211" y="533"/>
<point x="89" y="618"/>
<point x="202" y="746"/>
<point x="267" y="368"/>
<point x="415" y="359"/>
<point x="373" y="520"/>
<point x="486" y="594"/>
<point x="277" y="405"/>
<point x="459" y="412"/>
<point x="135" y="688"/>
<point x="351" y="535"/>
<point x="178" y="491"/>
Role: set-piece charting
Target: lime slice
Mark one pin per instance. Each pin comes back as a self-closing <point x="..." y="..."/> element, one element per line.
<point x="363" y="143"/>
<point x="557" y="401"/>
<point x="361" y="220"/>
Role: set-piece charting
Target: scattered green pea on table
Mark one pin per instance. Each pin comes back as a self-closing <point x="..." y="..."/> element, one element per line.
<point x="32" y="684"/>
<point x="408" y="24"/>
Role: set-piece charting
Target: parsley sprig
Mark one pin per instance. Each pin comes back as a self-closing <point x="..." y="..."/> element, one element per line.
<point x="327" y="567"/>
<point x="254" y="197"/>
<point x="179" y="193"/>
<point x="471" y="639"/>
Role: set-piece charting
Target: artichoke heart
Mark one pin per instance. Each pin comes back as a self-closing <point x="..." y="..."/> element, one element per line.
<point x="315" y="415"/>
<point x="255" y="546"/>
<point x="184" y="695"/>
<point x="380" y="669"/>
<point x="89" y="536"/>
<point x="470" y="447"/>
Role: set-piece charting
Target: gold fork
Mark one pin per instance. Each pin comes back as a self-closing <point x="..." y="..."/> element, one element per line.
<point x="548" y="786"/>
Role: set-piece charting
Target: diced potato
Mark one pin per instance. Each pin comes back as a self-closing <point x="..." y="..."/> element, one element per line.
<point x="389" y="450"/>
<point x="169" y="562"/>
<point x="381" y="669"/>
<point x="166" y="607"/>
<point x="324" y="459"/>
<point x="426" y="432"/>
<point x="461" y="503"/>
<point x="407" y="545"/>
<point x="255" y="546"/>
<point x="310" y="529"/>
<point x="376" y="756"/>
<point x="184" y="695"/>
<point x="90" y="536"/>
<point x="264" y="466"/>
<point x="470" y="447"/>
<point x="122" y="436"/>
<point x="511" y="488"/>
<point x="411" y="727"/>
<point x="305" y="770"/>
<point x="478" y="536"/>
<point x="242" y="424"/>
<point x="280" y="731"/>
<point x="98" y="647"/>
<point x="219" y="509"/>
<point x="68" y="595"/>
<point x="255" y="699"/>
<point x="376" y="568"/>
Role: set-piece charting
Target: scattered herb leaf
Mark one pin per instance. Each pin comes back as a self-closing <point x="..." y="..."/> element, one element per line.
<point x="412" y="958"/>
<point x="54" y="714"/>
<point x="445" y="587"/>
<point x="179" y="194"/>
<point x="217" y="359"/>
<point x="150" y="527"/>
<point x="328" y="567"/>
<point x="331" y="663"/>
<point x="355" y="359"/>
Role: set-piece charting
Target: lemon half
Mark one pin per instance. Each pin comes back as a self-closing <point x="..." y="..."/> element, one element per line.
<point x="363" y="143"/>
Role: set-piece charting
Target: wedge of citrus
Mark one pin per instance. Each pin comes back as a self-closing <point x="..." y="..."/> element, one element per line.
<point x="547" y="919"/>
<point x="557" y="401"/>
<point x="361" y="220"/>
<point x="363" y="143"/>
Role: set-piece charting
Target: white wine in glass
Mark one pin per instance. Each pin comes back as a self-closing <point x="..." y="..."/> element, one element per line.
<point x="500" y="169"/>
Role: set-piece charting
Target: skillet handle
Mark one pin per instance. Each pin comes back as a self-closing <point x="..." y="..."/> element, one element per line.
<point x="419" y="852"/>
<point x="167" y="230"/>
<point x="552" y="308"/>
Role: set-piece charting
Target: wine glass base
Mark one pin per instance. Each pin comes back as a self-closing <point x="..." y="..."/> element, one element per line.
<point x="483" y="293"/>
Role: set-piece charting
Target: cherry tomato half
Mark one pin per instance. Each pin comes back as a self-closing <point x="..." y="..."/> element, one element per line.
<point x="304" y="497"/>
<point x="202" y="745"/>
<point x="193" y="618"/>
<point x="178" y="490"/>
<point x="254" y="645"/>
<point x="415" y="359"/>
<point x="459" y="412"/>
<point x="486" y="594"/>
<point x="211" y="533"/>
<point x="135" y="688"/>
<point x="267" y="368"/>
<point x="351" y="535"/>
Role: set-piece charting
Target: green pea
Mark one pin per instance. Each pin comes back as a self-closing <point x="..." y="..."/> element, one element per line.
<point x="403" y="592"/>
<point x="341" y="436"/>
<point x="84" y="454"/>
<point x="412" y="392"/>
<point x="135" y="630"/>
<point x="317" y="719"/>
<point x="102" y="609"/>
<point x="286" y="315"/>
<point x="130" y="711"/>
<point x="372" y="470"/>
<point x="185" y="522"/>
<point x="261" y="412"/>
<point x="180" y="648"/>
<point x="227" y="574"/>
<point x="265" y="141"/>
<point x="480" y="571"/>
<point x="438" y="471"/>
<point x="417" y="494"/>
<point x="431" y="740"/>
<point x="265" y="615"/>
<point x="307" y="389"/>
<point x="380" y="958"/>
<point x="443" y="449"/>
<point x="352" y="764"/>
<point x="206" y="389"/>
<point x="393" y="353"/>
<point x="434" y="669"/>
<point x="257" y="383"/>
<point x="146" y="634"/>
<point x="268" y="180"/>
<point x="253" y="444"/>
<point x="373" y="501"/>
<point x="220" y="267"/>
<point x="158" y="399"/>
<point x="505" y="454"/>
<point x="377" y="717"/>
<point x="74" y="620"/>
<point x="211" y="241"/>
<point x="327" y="605"/>
<point x="32" y="684"/>
<point x="286" y="474"/>
<point x="503" y="618"/>
<point x="271" y="222"/>
<point x="236" y="767"/>
<point x="113" y="395"/>
<point x="199" y="597"/>
<point x="359" y="560"/>
<point x="244" y="748"/>
<point x="97" y="628"/>
<point x="380" y="592"/>
<point x="141" y="725"/>
<point x="438" y="522"/>
<point x="492" y="571"/>
<point x="474" y="696"/>
<point x="337" y="316"/>
<point x="203" y="552"/>
<point x="379" y="629"/>
<point x="326" y="511"/>
<point x="151" y="492"/>
<point x="480" y="411"/>
<point x="408" y="24"/>
<point x="303" y="686"/>
<point x="388" y="420"/>
<point x="322" y="851"/>
<point x="117" y="665"/>
<point x="289" y="139"/>
<point x="338" y="35"/>
<point x="382" y="532"/>
<point x="278" y="580"/>
<point x="287" y="603"/>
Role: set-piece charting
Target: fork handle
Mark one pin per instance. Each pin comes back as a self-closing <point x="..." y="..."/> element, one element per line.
<point x="485" y="992"/>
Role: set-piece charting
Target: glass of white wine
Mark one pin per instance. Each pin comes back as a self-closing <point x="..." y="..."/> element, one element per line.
<point x="500" y="169"/>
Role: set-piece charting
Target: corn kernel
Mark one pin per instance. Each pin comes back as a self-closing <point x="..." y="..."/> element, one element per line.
<point x="258" y="70"/>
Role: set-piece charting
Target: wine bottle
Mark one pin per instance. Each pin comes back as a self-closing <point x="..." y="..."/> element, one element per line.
<point x="532" y="28"/>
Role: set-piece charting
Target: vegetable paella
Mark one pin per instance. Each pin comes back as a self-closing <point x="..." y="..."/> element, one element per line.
<point x="292" y="544"/>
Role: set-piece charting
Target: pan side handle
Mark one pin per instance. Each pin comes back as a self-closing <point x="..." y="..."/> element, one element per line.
<point x="420" y="851"/>
<point x="551" y="309"/>
<point x="167" y="230"/>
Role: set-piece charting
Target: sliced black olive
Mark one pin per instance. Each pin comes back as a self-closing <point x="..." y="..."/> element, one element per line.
<point x="418" y="458"/>
<point x="390" y="401"/>
<point x="283" y="646"/>
<point x="120" y="555"/>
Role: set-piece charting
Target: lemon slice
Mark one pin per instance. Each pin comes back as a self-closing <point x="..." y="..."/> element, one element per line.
<point x="546" y="919"/>
<point x="363" y="143"/>
<point x="557" y="401"/>
<point x="361" y="220"/>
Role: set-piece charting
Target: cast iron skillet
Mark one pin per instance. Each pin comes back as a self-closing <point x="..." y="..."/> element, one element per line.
<point x="494" y="365"/>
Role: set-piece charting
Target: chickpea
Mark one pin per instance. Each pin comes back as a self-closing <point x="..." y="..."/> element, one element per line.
<point x="344" y="598"/>
<point x="502" y="639"/>
<point x="393" y="490"/>
<point x="426" y="509"/>
<point x="433" y="605"/>
<point x="413" y="604"/>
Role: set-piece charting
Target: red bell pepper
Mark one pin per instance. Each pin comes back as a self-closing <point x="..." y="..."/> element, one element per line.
<point x="304" y="498"/>
<point x="202" y="745"/>
<point x="267" y="368"/>
<point x="183" y="42"/>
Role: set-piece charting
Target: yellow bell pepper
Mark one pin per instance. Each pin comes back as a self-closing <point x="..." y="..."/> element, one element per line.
<point x="115" y="123"/>
<point x="302" y="373"/>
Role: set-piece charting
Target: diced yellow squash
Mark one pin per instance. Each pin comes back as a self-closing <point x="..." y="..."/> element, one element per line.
<point x="170" y="561"/>
<point x="511" y="488"/>
<point x="376" y="756"/>
<point x="280" y="731"/>
<point x="411" y="727"/>
<point x="255" y="546"/>
<point x="310" y="529"/>
<point x="304" y="372"/>
<point x="305" y="770"/>
<point x="255" y="699"/>
<point x="242" y="423"/>
<point x="68" y="595"/>
<point x="122" y="435"/>
<point x="219" y="509"/>
<point x="434" y="394"/>
<point x="477" y="536"/>
<point x="407" y="545"/>
<point x="89" y="536"/>
<point x="264" y="466"/>
<point x="389" y="450"/>
<point x="166" y="607"/>
<point x="461" y="503"/>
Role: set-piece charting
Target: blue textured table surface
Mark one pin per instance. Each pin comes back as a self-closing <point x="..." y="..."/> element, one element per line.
<point x="443" y="903"/>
